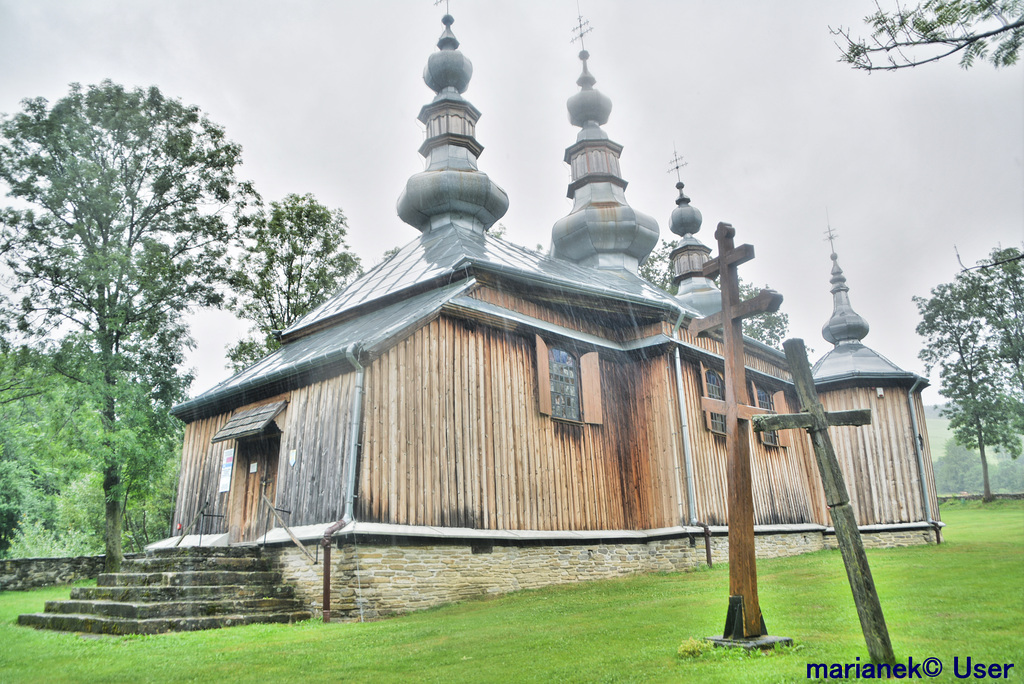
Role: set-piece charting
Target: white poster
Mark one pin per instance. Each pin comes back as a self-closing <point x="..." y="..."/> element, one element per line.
<point x="225" y="470"/>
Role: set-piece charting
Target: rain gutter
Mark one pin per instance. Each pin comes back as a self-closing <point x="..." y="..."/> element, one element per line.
<point x="691" y="497"/>
<point x="348" y="472"/>
<point x="920" y="458"/>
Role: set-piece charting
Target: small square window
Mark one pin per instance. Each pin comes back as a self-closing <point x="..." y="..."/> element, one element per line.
<point x="765" y="401"/>
<point x="715" y="387"/>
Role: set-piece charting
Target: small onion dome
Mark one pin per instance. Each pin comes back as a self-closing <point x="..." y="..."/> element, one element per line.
<point x="686" y="218"/>
<point x="845" y="325"/>
<point x="448" y="68"/>
<point x="588" y="104"/>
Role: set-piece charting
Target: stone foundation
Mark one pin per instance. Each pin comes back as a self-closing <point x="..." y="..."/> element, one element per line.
<point x="376" y="576"/>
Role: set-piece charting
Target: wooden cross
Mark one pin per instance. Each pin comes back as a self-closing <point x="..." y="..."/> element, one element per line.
<point x="816" y="421"/>
<point x="743" y="619"/>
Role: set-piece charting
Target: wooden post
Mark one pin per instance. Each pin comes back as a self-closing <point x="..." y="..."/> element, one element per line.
<point x="743" y="619"/>
<point x="816" y="421"/>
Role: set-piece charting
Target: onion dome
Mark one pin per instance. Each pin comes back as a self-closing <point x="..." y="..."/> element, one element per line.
<point x="695" y="291"/>
<point x="452" y="190"/>
<point x="846" y="325"/>
<point x="602" y="230"/>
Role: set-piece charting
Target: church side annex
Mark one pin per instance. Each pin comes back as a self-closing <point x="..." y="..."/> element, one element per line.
<point x="472" y="417"/>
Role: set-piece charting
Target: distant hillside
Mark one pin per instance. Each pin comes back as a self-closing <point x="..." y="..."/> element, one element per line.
<point x="938" y="430"/>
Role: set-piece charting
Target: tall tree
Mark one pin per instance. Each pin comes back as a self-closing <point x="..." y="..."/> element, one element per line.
<point x="1002" y="280"/>
<point x="960" y="341"/>
<point x="769" y="328"/>
<point x="991" y="30"/>
<point x="133" y="199"/>
<point x="292" y="260"/>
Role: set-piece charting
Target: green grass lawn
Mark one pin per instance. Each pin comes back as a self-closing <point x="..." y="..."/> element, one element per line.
<point x="963" y="598"/>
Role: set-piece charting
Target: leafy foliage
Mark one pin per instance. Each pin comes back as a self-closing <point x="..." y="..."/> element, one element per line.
<point x="969" y="338"/>
<point x="133" y="198"/>
<point x="292" y="260"/>
<point x="769" y="328"/>
<point x="991" y="30"/>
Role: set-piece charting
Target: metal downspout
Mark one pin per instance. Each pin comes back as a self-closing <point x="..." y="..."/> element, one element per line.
<point x="691" y="498"/>
<point x="920" y="459"/>
<point x="348" y="475"/>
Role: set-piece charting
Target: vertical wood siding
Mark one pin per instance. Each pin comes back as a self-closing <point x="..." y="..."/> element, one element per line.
<point x="316" y="428"/>
<point x="314" y="424"/>
<point x="784" y="491"/>
<point x="878" y="460"/>
<point x="454" y="437"/>
<point x="200" y="475"/>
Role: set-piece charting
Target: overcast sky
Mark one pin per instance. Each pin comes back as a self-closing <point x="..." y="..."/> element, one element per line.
<point x="323" y="98"/>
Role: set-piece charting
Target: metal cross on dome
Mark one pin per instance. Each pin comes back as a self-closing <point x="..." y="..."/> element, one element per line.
<point x="743" y="619"/>
<point x="581" y="28"/>
<point x="676" y="163"/>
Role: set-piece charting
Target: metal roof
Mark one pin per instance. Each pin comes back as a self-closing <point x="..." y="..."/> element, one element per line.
<point x="322" y="354"/>
<point x="443" y="253"/>
<point x="854" y="361"/>
<point x="401" y="294"/>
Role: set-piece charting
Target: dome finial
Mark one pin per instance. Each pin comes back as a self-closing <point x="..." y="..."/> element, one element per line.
<point x="602" y="230"/>
<point x="846" y="326"/>
<point x="452" y="191"/>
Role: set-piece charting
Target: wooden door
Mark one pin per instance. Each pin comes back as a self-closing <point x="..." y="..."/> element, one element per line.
<point x="257" y="465"/>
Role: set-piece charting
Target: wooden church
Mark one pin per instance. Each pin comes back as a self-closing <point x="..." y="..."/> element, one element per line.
<point x="486" y="412"/>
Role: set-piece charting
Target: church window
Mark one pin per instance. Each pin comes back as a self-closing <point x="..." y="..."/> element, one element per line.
<point x="767" y="402"/>
<point x="565" y="384"/>
<point x="568" y="384"/>
<point x="714" y="387"/>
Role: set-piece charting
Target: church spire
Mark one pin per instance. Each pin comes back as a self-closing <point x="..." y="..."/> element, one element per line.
<point x="845" y="326"/>
<point x="695" y="291"/>
<point x="602" y="230"/>
<point x="452" y="190"/>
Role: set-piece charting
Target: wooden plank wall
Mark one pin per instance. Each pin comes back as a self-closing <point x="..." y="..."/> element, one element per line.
<point x="453" y="437"/>
<point x="317" y="429"/>
<point x="782" y="476"/>
<point x="559" y="317"/>
<point x="314" y="424"/>
<point x="878" y="460"/>
<point x="200" y="475"/>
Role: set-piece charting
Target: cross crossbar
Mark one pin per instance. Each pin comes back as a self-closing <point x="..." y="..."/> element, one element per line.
<point x="735" y="257"/>
<point x="743" y="411"/>
<point x="765" y="301"/>
<point x="805" y="421"/>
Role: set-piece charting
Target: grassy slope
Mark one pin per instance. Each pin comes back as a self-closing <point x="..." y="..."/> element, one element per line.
<point x="964" y="598"/>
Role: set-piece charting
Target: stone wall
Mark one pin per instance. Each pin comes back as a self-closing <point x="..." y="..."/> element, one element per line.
<point x="888" y="539"/>
<point x="377" y="577"/>
<point x="18" y="574"/>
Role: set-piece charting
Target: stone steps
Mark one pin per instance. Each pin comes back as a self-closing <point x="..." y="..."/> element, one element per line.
<point x="187" y="578"/>
<point x="176" y="590"/>
<point x="96" y="624"/>
<point x="157" y="594"/>
<point x="165" y="609"/>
